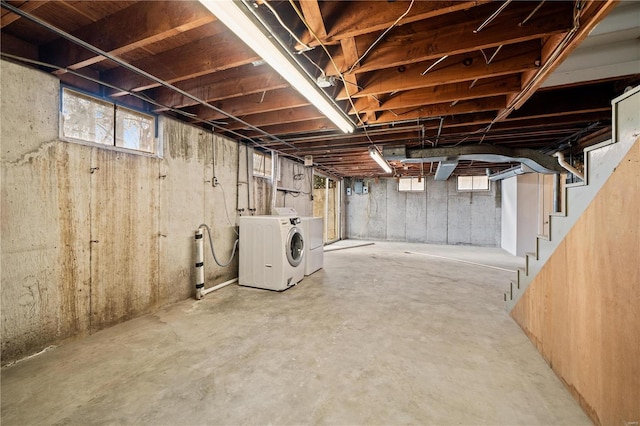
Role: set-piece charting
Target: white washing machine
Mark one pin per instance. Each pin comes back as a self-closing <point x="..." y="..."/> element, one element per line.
<point x="312" y="232"/>
<point x="272" y="252"/>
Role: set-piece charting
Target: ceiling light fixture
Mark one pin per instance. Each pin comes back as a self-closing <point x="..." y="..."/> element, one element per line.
<point x="246" y="25"/>
<point x="375" y="154"/>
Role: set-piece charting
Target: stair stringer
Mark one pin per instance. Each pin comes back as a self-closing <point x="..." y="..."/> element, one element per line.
<point x="600" y="162"/>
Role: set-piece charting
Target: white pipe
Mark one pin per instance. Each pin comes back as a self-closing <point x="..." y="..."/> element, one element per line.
<point x="275" y="170"/>
<point x="199" y="263"/>
<point x="217" y="287"/>
<point x="250" y="195"/>
<point x="568" y="166"/>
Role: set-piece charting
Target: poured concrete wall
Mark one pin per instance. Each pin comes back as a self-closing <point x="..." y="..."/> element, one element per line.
<point x="439" y="215"/>
<point x="91" y="236"/>
<point x="296" y="183"/>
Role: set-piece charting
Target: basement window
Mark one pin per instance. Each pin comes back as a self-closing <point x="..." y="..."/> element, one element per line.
<point x="473" y="183"/>
<point x="261" y="164"/>
<point x="411" y="184"/>
<point x="85" y="118"/>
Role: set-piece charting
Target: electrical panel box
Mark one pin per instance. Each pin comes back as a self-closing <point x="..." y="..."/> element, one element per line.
<point x="358" y="185"/>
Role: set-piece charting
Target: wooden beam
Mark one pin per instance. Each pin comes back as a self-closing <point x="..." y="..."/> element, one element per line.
<point x="494" y="103"/>
<point x="445" y="93"/>
<point x="393" y="132"/>
<point x="362" y="17"/>
<point x="17" y="46"/>
<point x="573" y="100"/>
<point x="547" y="49"/>
<point x="456" y="127"/>
<point x="373" y="105"/>
<point x="125" y="31"/>
<point x="513" y="127"/>
<point x="453" y="35"/>
<point x="26" y="6"/>
<point x="350" y="79"/>
<point x="291" y="115"/>
<point x="225" y="84"/>
<point x="86" y="11"/>
<point x="350" y="52"/>
<point x="195" y="59"/>
<point x="315" y="125"/>
<point x="313" y="16"/>
<point x="593" y="13"/>
<point x="513" y="59"/>
<point x="274" y="100"/>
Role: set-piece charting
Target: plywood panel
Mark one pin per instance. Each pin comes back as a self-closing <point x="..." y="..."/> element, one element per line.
<point x="332" y="220"/>
<point x="581" y="310"/>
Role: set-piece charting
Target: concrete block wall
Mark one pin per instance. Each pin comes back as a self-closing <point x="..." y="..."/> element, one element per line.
<point x="439" y="215"/>
<point x="92" y="237"/>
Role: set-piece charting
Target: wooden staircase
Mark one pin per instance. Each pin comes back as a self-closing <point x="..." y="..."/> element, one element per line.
<point x="600" y="161"/>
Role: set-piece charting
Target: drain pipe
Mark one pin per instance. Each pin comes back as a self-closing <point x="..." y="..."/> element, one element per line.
<point x="568" y="166"/>
<point x="199" y="263"/>
<point x="250" y="193"/>
<point x="557" y="197"/>
<point x="199" y="240"/>
<point x="200" y="294"/>
<point x="238" y="183"/>
<point x="275" y="169"/>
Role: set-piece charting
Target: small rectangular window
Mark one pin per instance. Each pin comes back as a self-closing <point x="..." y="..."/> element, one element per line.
<point x="134" y="130"/>
<point x="411" y="184"/>
<point x="86" y="118"/>
<point x="261" y="164"/>
<point x="89" y="119"/>
<point x="473" y="183"/>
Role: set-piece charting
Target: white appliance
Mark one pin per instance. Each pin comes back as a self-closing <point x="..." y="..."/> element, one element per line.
<point x="312" y="232"/>
<point x="312" y="228"/>
<point x="272" y="252"/>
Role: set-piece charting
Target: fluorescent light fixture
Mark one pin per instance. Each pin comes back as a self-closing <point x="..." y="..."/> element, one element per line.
<point x="235" y="15"/>
<point x="375" y="154"/>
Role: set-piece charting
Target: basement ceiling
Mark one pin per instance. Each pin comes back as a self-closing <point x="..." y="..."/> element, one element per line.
<point x="420" y="74"/>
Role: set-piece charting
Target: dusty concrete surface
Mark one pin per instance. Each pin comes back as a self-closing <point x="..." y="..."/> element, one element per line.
<point x="379" y="336"/>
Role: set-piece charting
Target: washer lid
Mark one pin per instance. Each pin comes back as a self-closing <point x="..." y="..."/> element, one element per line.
<point x="295" y="246"/>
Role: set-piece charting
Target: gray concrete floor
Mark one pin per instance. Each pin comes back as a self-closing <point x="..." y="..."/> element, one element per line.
<point x="380" y="336"/>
